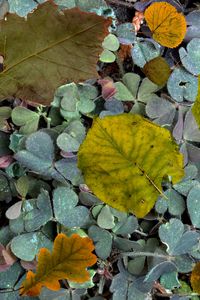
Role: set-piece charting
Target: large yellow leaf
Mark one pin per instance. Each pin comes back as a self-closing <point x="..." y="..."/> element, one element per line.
<point x="196" y="106"/>
<point x="124" y="159"/>
<point x="195" y="278"/>
<point x="166" y="24"/>
<point x="69" y="260"/>
<point x="48" y="49"/>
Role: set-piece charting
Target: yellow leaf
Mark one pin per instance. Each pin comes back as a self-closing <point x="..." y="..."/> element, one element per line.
<point x="157" y="70"/>
<point x="166" y="24"/>
<point x="124" y="159"/>
<point x="196" y="106"/>
<point x="195" y="278"/>
<point x="69" y="259"/>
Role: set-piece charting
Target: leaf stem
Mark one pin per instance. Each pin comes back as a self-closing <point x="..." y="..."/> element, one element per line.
<point x="149" y="254"/>
<point x="120" y="63"/>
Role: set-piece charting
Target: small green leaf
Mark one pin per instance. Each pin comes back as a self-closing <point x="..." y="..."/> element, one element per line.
<point x="105" y="218"/>
<point x="27" y="119"/>
<point x="66" y="211"/>
<point x="111" y="42"/>
<point x="22" y="186"/>
<point x="103" y="241"/>
<point x="170" y="280"/>
<point x="107" y="56"/>
<point x="27" y="245"/>
<point x="67" y="143"/>
<point x="193" y="205"/>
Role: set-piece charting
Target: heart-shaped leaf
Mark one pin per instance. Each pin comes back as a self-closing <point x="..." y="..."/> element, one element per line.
<point x="66" y="210"/>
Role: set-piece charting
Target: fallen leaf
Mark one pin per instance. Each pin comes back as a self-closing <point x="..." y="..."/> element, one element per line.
<point x="5" y="161"/>
<point x="38" y="61"/>
<point x="69" y="259"/>
<point x="195" y="278"/>
<point x="168" y="26"/>
<point x="157" y="70"/>
<point x="132" y="155"/>
<point x="108" y="88"/>
<point x="196" y="105"/>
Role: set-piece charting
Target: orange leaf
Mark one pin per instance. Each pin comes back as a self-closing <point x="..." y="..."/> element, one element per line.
<point x="157" y="70"/>
<point x="69" y="259"/>
<point x="195" y="278"/>
<point x="166" y="24"/>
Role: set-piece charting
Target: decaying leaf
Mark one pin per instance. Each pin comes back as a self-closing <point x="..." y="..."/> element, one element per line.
<point x="124" y="159"/>
<point x="48" y="49"/>
<point x="195" y="278"/>
<point x="157" y="70"/>
<point x="168" y="26"/>
<point x="69" y="259"/>
<point x="196" y="106"/>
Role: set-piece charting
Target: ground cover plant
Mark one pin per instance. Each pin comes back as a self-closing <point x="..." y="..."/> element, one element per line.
<point x="99" y="149"/>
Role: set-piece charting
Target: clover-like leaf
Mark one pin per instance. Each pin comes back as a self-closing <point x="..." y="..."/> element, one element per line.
<point x="191" y="58"/>
<point x="168" y="26"/>
<point x="116" y="151"/>
<point x="193" y="20"/>
<point x="69" y="259"/>
<point x="170" y="280"/>
<point x="60" y="45"/>
<point x="102" y="239"/>
<point x="26" y="246"/>
<point x="144" y="51"/>
<point x="131" y="89"/>
<point x="27" y="119"/>
<point x="125" y="33"/>
<point x="66" y="211"/>
<point x="160" y="110"/>
<point x="177" y="240"/>
<point x="193" y="205"/>
<point x="182" y="85"/>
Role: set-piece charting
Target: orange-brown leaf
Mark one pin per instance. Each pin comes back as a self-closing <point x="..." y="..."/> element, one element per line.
<point x="48" y="49"/>
<point x="166" y="24"/>
<point x="69" y="259"/>
<point x="195" y="278"/>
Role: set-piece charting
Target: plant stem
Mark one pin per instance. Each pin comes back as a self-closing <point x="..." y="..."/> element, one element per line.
<point x="141" y="233"/>
<point x="101" y="285"/>
<point x="119" y="2"/>
<point x="149" y="254"/>
<point x="120" y="64"/>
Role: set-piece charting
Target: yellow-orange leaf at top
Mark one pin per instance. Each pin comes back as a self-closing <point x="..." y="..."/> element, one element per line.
<point x="69" y="259"/>
<point x="195" y="278"/>
<point x="168" y="26"/>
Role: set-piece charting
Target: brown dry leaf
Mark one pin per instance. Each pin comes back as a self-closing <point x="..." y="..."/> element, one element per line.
<point x="157" y="70"/>
<point x="195" y="278"/>
<point x="69" y="259"/>
<point x="47" y="50"/>
<point x="168" y="26"/>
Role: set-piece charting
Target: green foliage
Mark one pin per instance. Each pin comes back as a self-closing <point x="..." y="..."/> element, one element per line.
<point x="42" y="190"/>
